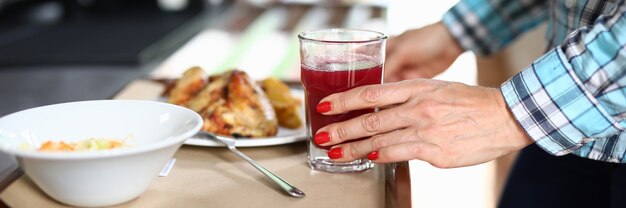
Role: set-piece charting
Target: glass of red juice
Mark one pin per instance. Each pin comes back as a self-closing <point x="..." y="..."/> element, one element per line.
<point x="332" y="61"/>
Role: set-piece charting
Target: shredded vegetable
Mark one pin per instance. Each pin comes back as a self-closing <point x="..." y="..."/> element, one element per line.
<point x="81" y="146"/>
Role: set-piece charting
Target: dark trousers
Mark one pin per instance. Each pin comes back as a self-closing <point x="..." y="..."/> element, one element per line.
<point x="542" y="180"/>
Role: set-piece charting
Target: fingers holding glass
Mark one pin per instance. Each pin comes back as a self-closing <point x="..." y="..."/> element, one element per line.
<point x="369" y="148"/>
<point x="366" y="97"/>
<point x="363" y="126"/>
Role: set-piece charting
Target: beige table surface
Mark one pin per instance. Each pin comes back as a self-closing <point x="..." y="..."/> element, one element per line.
<point x="215" y="177"/>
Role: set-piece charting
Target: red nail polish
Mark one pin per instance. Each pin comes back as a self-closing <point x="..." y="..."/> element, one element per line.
<point x="321" y="138"/>
<point x="372" y="155"/>
<point x="324" y="107"/>
<point x="335" y="153"/>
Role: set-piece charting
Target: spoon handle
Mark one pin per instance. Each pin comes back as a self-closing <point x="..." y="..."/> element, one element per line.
<point x="291" y="190"/>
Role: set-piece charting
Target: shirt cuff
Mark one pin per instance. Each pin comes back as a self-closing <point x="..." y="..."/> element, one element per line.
<point x="552" y="105"/>
<point x="463" y="26"/>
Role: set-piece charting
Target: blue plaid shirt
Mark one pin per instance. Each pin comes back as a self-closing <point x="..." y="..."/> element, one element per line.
<point x="573" y="98"/>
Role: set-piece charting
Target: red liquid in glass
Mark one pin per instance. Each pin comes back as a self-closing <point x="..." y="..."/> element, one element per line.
<point x="319" y="83"/>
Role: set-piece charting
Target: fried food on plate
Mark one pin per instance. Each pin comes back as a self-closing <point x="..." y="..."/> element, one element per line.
<point x="232" y="104"/>
<point x="245" y="111"/>
<point x="187" y="86"/>
<point x="285" y="105"/>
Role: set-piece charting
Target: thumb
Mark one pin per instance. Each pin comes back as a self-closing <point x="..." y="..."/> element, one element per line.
<point x="424" y="151"/>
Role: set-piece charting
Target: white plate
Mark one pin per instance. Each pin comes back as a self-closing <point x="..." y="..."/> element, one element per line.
<point x="284" y="135"/>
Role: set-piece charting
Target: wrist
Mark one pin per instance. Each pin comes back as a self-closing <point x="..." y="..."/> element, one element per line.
<point x="517" y="136"/>
<point x="453" y="47"/>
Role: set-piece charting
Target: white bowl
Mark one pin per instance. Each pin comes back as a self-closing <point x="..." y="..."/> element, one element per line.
<point x="98" y="178"/>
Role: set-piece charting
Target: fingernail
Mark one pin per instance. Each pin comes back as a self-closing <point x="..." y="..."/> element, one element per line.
<point x="372" y="155"/>
<point x="321" y="138"/>
<point x="324" y="107"/>
<point x="335" y="153"/>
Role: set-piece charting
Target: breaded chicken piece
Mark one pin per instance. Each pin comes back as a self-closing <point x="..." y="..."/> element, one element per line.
<point x="212" y="93"/>
<point x="254" y="114"/>
<point x="187" y="86"/>
<point x="232" y="104"/>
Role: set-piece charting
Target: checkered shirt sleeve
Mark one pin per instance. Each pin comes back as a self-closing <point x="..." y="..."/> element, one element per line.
<point x="486" y="26"/>
<point x="573" y="98"/>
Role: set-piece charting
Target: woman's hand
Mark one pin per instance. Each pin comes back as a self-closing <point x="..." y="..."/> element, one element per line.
<point x="420" y="53"/>
<point x="447" y="124"/>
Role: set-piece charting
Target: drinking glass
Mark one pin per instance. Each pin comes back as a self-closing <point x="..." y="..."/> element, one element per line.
<point x="332" y="61"/>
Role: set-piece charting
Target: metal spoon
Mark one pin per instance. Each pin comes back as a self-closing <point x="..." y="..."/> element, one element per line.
<point x="230" y="143"/>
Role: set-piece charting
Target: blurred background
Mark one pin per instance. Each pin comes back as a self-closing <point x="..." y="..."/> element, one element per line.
<point x="54" y="51"/>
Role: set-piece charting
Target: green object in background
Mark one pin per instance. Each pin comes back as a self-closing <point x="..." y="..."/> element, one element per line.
<point x="289" y="60"/>
<point x="263" y="26"/>
<point x="314" y="19"/>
